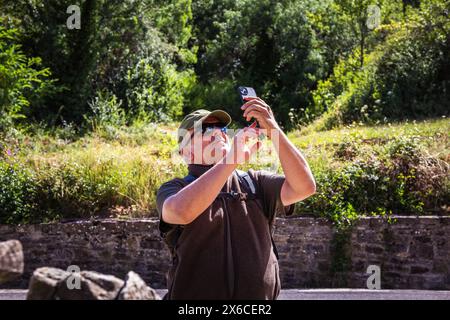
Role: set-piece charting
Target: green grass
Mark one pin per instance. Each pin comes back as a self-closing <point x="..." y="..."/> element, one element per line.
<point x="436" y="130"/>
<point x="432" y="136"/>
<point x="400" y="168"/>
<point x="397" y="168"/>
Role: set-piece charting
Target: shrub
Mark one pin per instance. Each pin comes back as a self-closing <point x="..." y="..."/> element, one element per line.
<point x="106" y="115"/>
<point x="401" y="180"/>
<point x="155" y="87"/>
<point x="73" y="190"/>
<point x="18" y="191"/>
<point x="21" y="78"/>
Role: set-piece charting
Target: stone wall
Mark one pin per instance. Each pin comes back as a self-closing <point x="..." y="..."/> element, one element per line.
<point x="412" y="253"/>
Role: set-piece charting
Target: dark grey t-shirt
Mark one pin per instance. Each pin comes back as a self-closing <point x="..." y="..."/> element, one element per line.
<point x="268" y="185"/>
<point x="226" y="252"/>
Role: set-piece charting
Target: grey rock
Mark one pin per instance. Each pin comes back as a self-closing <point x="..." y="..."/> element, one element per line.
<point x="136" y="289"/>
<point x="44" y="282"/>
<point x="93" y="286"/>
<point x="11" y="260"/>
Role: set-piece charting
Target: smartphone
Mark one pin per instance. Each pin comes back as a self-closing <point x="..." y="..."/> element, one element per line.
<point x="246" y="93"/>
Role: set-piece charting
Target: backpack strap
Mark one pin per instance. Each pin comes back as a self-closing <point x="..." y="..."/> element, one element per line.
<point x="173" y="238"/>
<point x="246" y="177"/>
<point x="249" y="181"/>
<point x="189" y="178"/>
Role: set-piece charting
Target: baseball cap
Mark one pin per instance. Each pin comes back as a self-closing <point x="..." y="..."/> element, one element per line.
<point x="200" y="115"/>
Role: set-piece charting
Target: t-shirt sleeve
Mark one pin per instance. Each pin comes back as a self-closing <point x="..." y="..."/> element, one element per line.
<point x="165" y="191"/>
<point x="269" y="184"/>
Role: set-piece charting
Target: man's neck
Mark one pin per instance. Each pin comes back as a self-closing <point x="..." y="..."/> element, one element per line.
<point x="198" y="169"/>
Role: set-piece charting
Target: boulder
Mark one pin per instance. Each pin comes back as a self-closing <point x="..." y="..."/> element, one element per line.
<point x="56" y="284"/>
<point x="11" y="260"/>
<point x="136" y="289"/>
<point x="93" y="286"/>
<point x="44" y="282"/>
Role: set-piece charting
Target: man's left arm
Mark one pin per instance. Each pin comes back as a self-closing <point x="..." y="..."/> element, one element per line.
<point x="299" y="183"/>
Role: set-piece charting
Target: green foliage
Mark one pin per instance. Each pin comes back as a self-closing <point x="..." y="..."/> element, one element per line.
<point x="100" y="174"/>
<point x="18" y="193"/>
<point x="156" y="88"/>
<point x="399" y="178"/>
<point x="419" y="89"/>
<point x="341" y="255"/>
<point x="275" y="55"/>
<point x="21" y="78"/>
<point x="135" y="62"/>
<point x="332" y="29"/>
<point x="216" y="94"/>
<point x="368" y="171"/>
<point x="118" y="43"/>
<point x="307" y="59"/>
<point x="173" y="19"/>
<point x="404" y="76"/>
<point x="77" y="191"/>
<point x="107" y="115"/>
<point x="152" y="76"/>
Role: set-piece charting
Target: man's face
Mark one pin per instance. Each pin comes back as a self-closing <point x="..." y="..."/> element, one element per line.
<point x="206" y="146"/>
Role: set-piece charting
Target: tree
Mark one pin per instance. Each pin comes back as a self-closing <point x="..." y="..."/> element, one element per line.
<point x="21" y="78"/>
<point x="265" y="44"/>
<point x="117" y="42"/>
<point x="356" y="14"/>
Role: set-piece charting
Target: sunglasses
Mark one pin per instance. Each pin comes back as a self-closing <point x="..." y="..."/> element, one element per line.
<point x="210" y="127"/>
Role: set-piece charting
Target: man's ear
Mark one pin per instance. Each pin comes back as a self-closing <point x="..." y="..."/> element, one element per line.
<point x="185" y="155"/>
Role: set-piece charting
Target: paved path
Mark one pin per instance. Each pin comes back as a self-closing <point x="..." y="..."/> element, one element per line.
<point x="363" y="294"/>
<point x="313" y="294"/>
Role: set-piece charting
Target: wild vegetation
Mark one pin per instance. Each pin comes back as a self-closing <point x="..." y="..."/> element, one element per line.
<point x="87" y="115"/>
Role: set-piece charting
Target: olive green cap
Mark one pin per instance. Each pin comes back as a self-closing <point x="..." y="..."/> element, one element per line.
<point x="200" y="115"/>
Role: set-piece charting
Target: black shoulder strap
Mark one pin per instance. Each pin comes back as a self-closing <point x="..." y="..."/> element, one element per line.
<point x="249" y="181"/>
<point x="244" y="176"/>
<point x="189" y="178"/>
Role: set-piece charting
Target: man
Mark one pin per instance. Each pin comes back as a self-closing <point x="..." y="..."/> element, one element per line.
<point x="218" y="221"/>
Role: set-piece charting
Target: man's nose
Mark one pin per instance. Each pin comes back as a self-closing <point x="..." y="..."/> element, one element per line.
<point x="217" y="133"/>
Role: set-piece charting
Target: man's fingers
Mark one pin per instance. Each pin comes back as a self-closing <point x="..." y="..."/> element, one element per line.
<point x="255" y="109"/>
<point x="254" y="114"/>
<point x="252" y="101"/>
<point x="261" y="101"/>
<point x="249" y="102"/>
<point x="250" y="131"/>
<point x="256" y="103"/>
<point x="256" y="106"/>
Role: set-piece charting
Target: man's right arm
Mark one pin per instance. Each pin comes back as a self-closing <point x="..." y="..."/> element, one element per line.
<point x="188" y="203"/>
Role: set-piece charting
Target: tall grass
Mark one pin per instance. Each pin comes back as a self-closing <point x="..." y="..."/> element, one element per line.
<point x="359" y="170"/>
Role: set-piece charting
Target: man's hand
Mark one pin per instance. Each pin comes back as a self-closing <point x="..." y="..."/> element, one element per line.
<point x="241" y="148"/>
<point x="299" y="183"/>
<point x="261" y="111"/>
